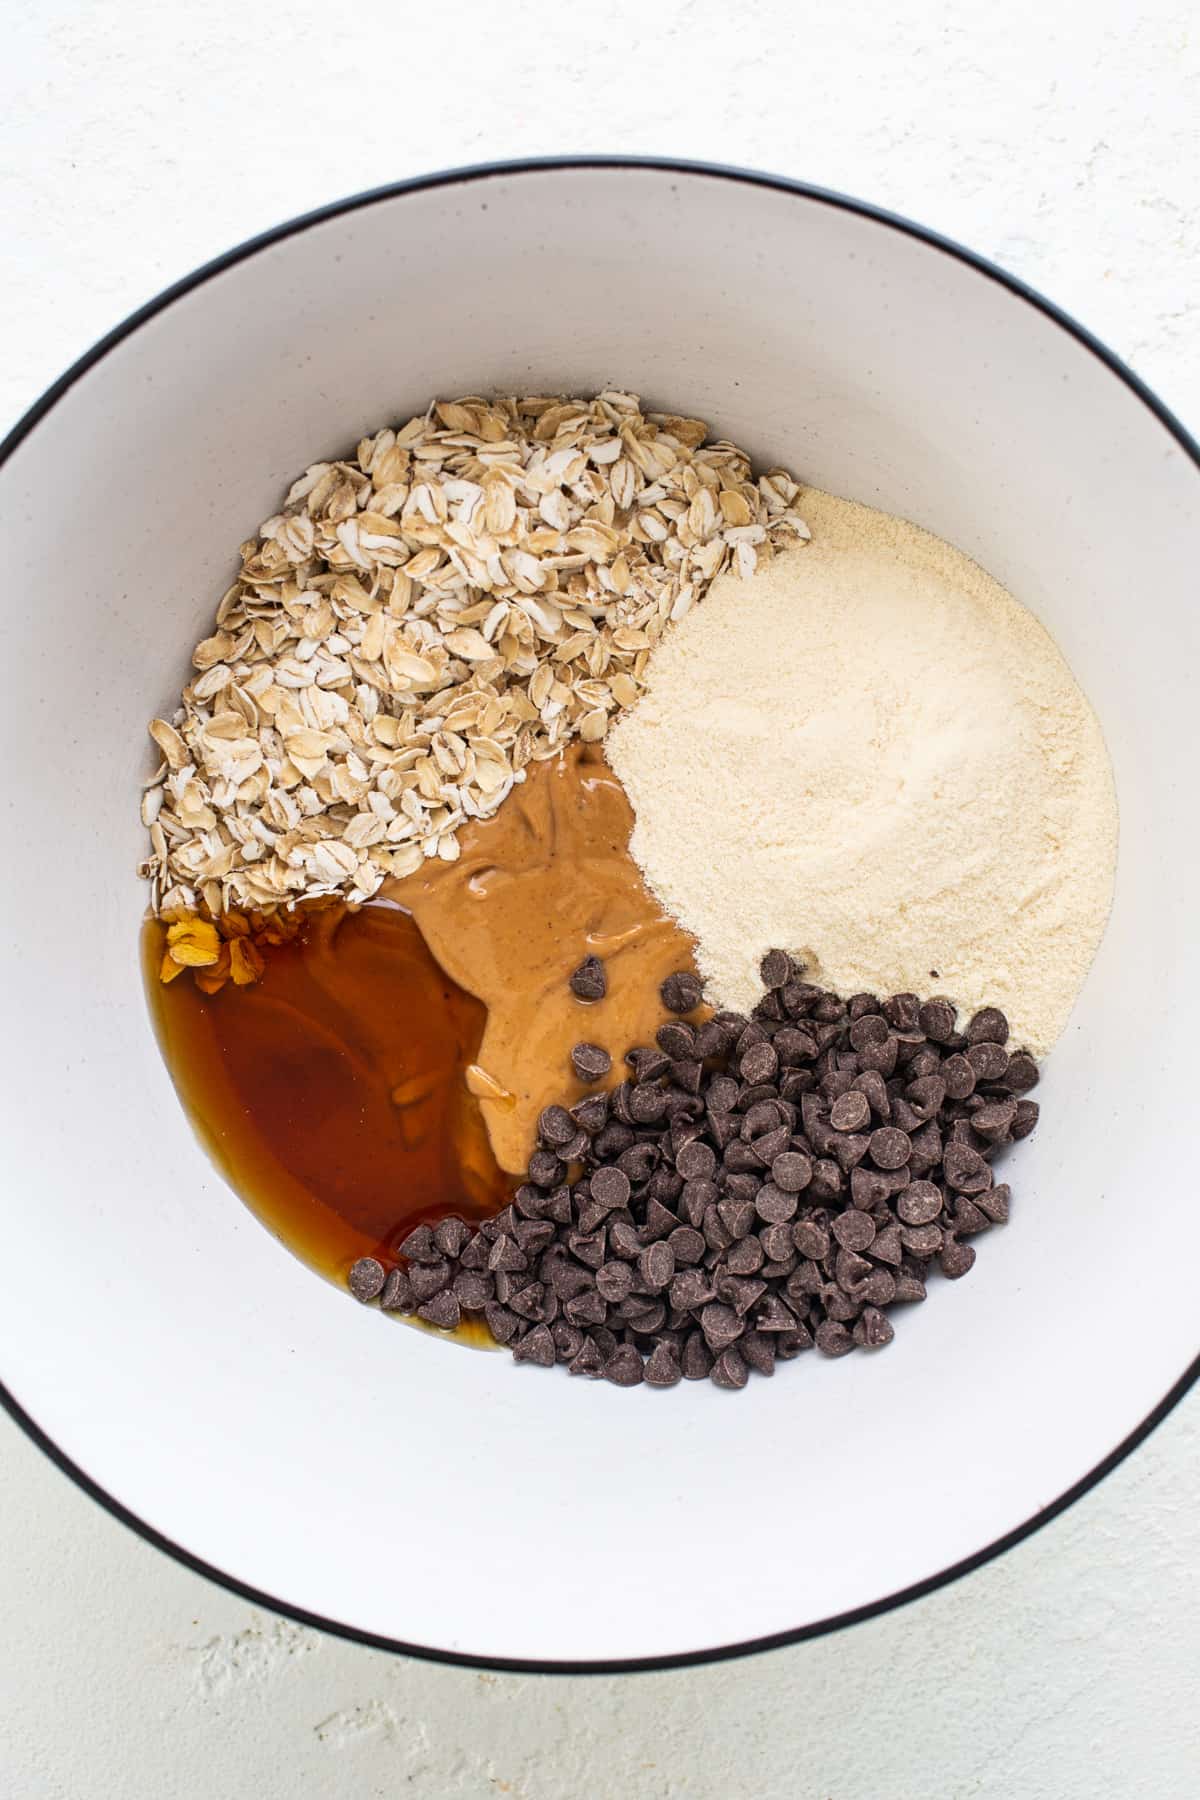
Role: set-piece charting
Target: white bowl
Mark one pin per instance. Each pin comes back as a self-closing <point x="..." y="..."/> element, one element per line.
<point x="251" y="1418"/>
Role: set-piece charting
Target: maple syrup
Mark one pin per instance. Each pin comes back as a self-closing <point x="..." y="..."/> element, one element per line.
<point x="331" y="1093"/>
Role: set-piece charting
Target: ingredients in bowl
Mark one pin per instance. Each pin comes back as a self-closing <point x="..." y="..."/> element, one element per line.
<point x="394" y="853"/>
<point x="878" y="757"/>
<point x="754" y="1187"/>
<point x="420" y="622"/>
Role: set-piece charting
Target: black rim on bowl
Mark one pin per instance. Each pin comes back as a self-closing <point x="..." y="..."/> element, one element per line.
<point x="479" y="173"/>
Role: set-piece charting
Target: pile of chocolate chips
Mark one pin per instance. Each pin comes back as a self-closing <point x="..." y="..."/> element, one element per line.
<point x="756" y="1186"/>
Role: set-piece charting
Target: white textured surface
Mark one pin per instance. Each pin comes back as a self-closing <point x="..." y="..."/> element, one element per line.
<point x="140" y="139"/>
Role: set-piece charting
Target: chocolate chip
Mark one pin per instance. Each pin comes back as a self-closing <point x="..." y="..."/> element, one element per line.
<point x="588" y="1247"/>
<point x="833" y="1339"/>
<point x="537" y="1346"/>
<point x="624" y="1239"/>
<point x="545" y="1170"/>
<point x="757" y="1351"/>
<point x="737" y="1216"/>
<point x="681" y="992"/>
<point x="774" y="1315"/>
<point x="759" y="1064"/>
<point x="696" y="1359"/>
<point x="451" y="1236"/>
<point x="849" y="1148"/>
<point x="995" y="1203"/>
<point x="792" y="1171"/>
<point x="729" y="1371"/>
<point x="826" y="1181"/>
<point x="720" y="1325"/>
<point x="956" y="1258"/>
<point x="873" y="1330"/>
<point x="502" y="1324"/>
<point x="476" y="1252"/>
<point x="428" y="1279"/>
<point x="533" y="1235"/>
<point x="442" y="1310"/>
<point x="927" y="1094"/>
<point x="709" y="1041"/>
<point x="854" y="1231"/>
<point x="776" y="969"/>
<point x="746" y="1257"/>
<point x="776" y="1244"/>
<point x="614" y="1282"/>
<point x="1021" y="1074"/>
<point x="419" y="1246"/>
<point x="529" y="1301"/>
<point x="662" y="1367"/>
<point x="472" y="1291"/>
<point x="397" y="1294"/>
<point x="687" y="1245"/>
<point x="868" y="1188"/>
<point x="610" y="1187"/>
<point x="969" y="1218"/>
<point x="739" y="1291"/>
<point x="988" y="1059"/>
<point x="903" y="1012"/>
<point x="588" y="1308"/>
<point x="557" y="1206"/>
<point x="555" y="1127"/>
<point x="656" y="1266"/>
<point x="919" y="1204"/>
<point x="590" y="1062"/>
<point x="890" y="1147"/>
<point x="989" y="1026"/>
<point x="506" y="1255"/>
<point x="850" y="1113"/>
<point x="639" y="1162"/>
<point x="773" y="1205"/>
<point x="589" y="981"/>
<point x="676" y="1040"/>
<point x="811" y="1239"/>
<point x="659" y="1223"/>
<point x="995" y="1121"/>
<point x="588" y="1362"/>
<point x="938" y="1020"/>
<point x="1025" y="1118"/>
<point x="690" y="1288"/>
<point x="647" y="1103"/>
<point x="696" y="1162"/>
<point x="965" y="1170"/>
<point x="922" y="1240"/>
<point x="869" y="1027"/>
<point x="366" y="1278"/>
<point x="879" y="1288"/>
<point x="624" y="1367"/>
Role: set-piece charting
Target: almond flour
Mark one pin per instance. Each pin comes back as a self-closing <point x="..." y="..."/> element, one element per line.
<point x="874" y="756"/>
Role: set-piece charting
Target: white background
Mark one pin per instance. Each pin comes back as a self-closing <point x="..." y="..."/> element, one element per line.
<point x="137" y="139"/>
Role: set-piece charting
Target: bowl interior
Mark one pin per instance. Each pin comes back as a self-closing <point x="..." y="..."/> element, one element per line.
<point x="362" y="1472"/>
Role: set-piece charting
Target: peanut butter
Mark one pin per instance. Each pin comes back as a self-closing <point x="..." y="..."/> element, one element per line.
<point x="546" y="882"/>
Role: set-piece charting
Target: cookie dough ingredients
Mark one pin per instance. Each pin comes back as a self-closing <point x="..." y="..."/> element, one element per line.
<point x="874" y="756"/>
<point x="418" y="623"/>
<point x="757" y="1186"/>
<point x="547" y="879"/>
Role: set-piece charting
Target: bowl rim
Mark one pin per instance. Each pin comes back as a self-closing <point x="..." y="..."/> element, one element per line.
<point x="478" y="172"/>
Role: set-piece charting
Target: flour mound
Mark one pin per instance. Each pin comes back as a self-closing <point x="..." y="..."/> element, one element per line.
<point x="872" y="755"/>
